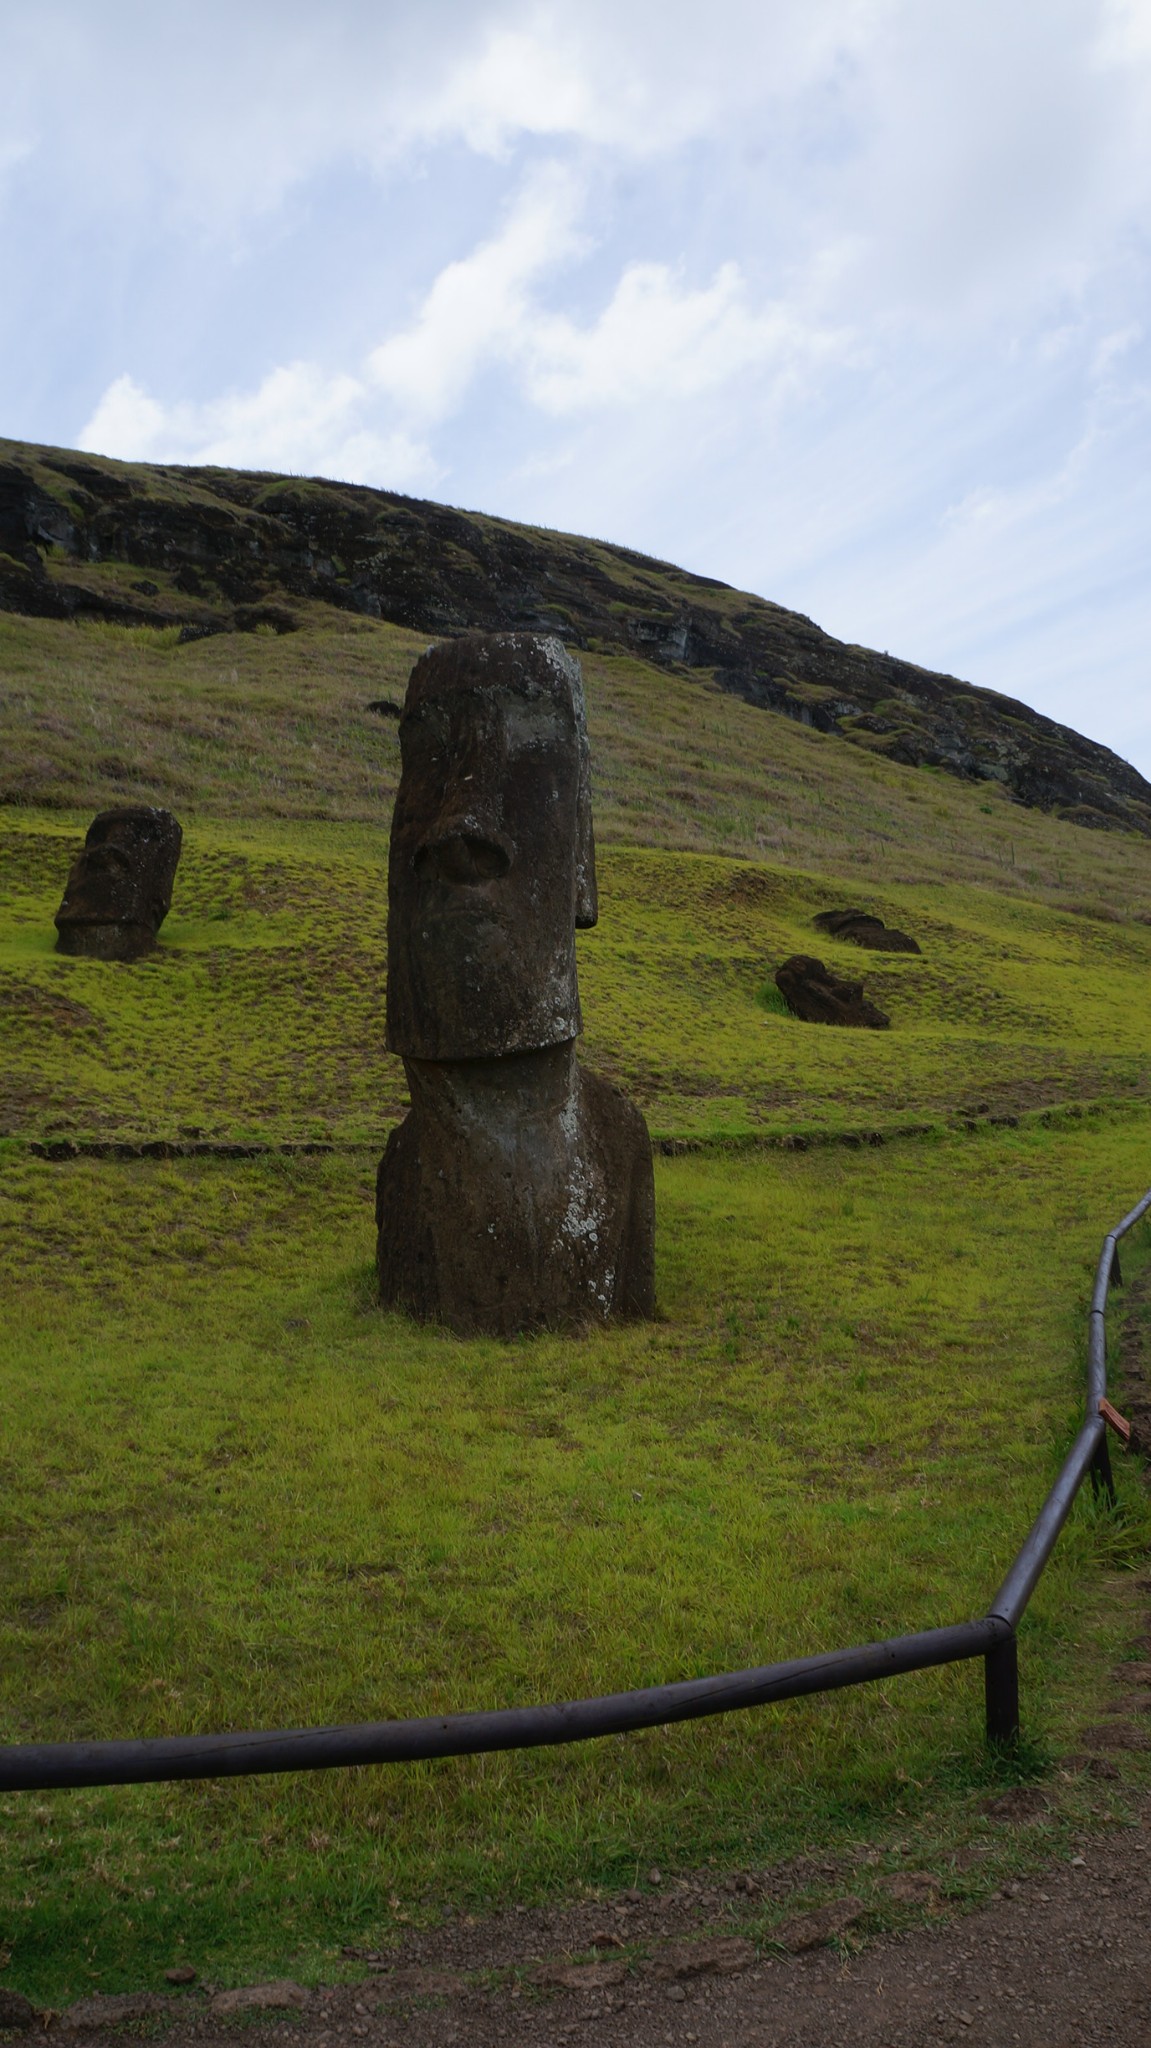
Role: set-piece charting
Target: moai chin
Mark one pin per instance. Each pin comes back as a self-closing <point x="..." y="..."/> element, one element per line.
<point x="518" y="1192"/>
<point x="119" y="888"/>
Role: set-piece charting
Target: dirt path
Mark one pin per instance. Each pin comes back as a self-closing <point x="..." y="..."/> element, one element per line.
<point x="1062" y="1960"/>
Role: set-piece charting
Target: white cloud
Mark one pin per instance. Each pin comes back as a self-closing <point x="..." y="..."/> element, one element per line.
<point x="1125" y="31"/>
<point x="1000" y="162"/>
<point x="217" y="125"/>
<point x="521" y="82"/>
<point x="126" y="423"/>
<point x="658" y="340"/>
<point x="478" y="307"/>
<point x="297" y="419"/>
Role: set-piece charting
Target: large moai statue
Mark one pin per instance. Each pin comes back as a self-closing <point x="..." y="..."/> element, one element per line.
<point x="119" y="888"/>
<point x="517" y="1193"/>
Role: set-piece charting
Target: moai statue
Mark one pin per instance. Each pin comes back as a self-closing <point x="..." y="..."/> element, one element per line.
<point x="119" y="889"/>
<point x="517" y="1193"/>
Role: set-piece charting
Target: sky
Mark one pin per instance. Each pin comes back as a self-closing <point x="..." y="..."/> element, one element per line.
<point x="847" y="302"/>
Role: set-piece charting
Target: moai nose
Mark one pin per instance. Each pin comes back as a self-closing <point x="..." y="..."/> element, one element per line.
<point x="463" y="857"/>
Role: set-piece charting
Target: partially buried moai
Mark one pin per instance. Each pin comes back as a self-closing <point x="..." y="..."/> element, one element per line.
<point x="517" y="1193"/>
<point x="119" y="888"/>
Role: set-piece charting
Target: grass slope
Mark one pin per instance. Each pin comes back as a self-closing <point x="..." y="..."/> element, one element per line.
<point x="250" y="727"/>
<point x="260" y="1018"/>
<point x="253" y="1500"/>
<point x="250" y="1498"/>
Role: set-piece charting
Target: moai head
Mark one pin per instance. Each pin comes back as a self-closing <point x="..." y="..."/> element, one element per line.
<point x="119" y="890"/>
<point x="492" y="859"/>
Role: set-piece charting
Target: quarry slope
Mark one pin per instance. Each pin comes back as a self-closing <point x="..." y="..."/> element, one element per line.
<point x="223" y="551"/>
<point x="239" y="1495"/>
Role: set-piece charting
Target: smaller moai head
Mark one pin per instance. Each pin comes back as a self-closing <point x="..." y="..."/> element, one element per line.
<point x="492" y="864"/>
<point x="119" y="890"/>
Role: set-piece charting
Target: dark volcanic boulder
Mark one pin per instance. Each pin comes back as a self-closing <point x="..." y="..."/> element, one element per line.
<point x="812" y="992"/>
<point x="864" y="929"/>
<point x="119" y="889"/>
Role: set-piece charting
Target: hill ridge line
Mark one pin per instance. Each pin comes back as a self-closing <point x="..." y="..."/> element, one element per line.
<point x="218" y="551"/>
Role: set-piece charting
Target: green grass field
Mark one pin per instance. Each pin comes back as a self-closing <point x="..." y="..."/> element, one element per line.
<point x="237" y="1494"/>
<point x="261" y="1018"/>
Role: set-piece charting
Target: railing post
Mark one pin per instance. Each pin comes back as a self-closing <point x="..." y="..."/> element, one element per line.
<point x="1102" y="1479"/>
<point x="1001" y="1693"/>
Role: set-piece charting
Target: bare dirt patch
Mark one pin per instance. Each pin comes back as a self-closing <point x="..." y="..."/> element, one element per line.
<point x="1056" y="1962"/>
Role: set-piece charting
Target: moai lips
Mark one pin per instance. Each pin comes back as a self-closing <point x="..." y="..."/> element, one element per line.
<point x="518" y="1192"/>
<point x="119" y="889"/>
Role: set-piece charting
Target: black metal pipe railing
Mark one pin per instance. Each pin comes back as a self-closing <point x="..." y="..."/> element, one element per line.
<point x="44" y="1766"/>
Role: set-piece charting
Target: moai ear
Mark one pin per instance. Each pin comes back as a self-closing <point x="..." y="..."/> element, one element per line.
<point x="586" y="900"/>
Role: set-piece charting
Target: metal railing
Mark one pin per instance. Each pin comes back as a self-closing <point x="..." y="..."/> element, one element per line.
<point x="43" y="1766"/>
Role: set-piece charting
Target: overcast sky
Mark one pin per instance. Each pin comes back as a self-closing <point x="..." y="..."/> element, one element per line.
<point x="844" y="301"/>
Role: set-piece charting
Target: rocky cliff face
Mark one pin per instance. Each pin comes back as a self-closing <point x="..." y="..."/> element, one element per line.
<point x="218" y="551"/>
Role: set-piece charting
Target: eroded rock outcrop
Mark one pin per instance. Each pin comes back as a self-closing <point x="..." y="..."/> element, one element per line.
<point x="518" y="1192"/>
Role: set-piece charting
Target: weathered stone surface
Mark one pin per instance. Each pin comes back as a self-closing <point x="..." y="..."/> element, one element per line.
<point x="281" y="1995"/>
<point x="812" y="992"/>
<point x="119" y="888"/>
<point x="518" y="1193"/>
<point x="492" y="863"/>
<point x="864" y="929"/>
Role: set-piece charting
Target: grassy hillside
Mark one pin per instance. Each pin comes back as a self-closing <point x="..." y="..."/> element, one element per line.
<point x="219" y="553"/>
<point x="256" y="726"/>
<point x="236" y="1494"/>
<point x="261" y="1017"/>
